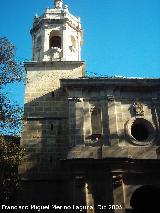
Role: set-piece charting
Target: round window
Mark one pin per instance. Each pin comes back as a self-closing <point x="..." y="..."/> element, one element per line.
<point x="140" y="131"/>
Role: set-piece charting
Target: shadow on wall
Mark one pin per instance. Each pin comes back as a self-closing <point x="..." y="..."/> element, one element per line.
<point x="45" y="139"/>
<point x="45" y="135"/>
<point x="145" y="199"/>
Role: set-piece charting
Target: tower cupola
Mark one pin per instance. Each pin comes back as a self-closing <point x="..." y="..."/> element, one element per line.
<point x="56" y="35"/>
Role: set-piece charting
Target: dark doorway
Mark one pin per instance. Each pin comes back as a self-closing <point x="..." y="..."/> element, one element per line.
<point x="145" y="199"/>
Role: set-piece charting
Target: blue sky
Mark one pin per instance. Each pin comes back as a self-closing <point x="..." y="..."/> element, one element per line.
<point x="121" y="37"/>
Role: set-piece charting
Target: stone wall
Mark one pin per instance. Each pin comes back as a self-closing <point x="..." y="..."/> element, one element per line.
<point x="129" y="109"/>
<point x="58" y="122"/>
<point x="45" y="132"/>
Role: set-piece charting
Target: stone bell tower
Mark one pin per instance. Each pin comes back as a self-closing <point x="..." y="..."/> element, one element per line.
<point x="56" y="48"/>
<point x="57" y="35"/>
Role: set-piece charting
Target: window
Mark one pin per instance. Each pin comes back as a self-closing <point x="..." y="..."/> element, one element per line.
<point x="52" y="127"/>
<point x="55" y="41"/>
<point x="52" y="94"/>
<point x="96" y="122"/>
<point x="140" y="131"/>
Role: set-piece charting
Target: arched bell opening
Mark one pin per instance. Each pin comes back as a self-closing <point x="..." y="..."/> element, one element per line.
<point x="55" y="40"/>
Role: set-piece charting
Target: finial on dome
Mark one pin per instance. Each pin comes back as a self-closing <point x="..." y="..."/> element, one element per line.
<point x="58" y="4"/>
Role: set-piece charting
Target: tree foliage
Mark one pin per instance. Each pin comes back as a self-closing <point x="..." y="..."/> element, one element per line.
<point x="10" y="72"/>
<point x="11" y="117"/>
<point x="11" y="155"/>
<point x="10" y="121"/>
<point x="10" y="69"/>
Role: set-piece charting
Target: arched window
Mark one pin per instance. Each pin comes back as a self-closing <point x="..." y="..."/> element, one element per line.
<point x="55" y="41"/>
<point x="96" y="122"/>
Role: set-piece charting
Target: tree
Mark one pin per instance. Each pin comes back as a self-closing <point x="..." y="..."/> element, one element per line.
<point x="10" y="121"/>
<point x="10" y="71"/>
<point x="11" y="155"/>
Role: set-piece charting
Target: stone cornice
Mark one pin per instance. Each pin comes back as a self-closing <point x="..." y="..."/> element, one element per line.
<point x="68" y="18"/>
<point x="44" y="21"/>
<point x="52" y="64"/>
<point x="116" y="82"/>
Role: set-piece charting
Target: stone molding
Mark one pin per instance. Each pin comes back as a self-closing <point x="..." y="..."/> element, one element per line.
<point x="112" y="83"/>
<point x="138" y="108"/>
<point x="52" y="64"/>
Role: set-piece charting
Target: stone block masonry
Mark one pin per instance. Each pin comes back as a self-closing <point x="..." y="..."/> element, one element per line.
<point x="45" y="133"/>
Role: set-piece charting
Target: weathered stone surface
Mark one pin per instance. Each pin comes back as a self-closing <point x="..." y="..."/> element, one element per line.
<point x="115" y="115"/>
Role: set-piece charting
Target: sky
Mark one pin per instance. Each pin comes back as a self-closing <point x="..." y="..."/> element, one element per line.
<point x="121" y="37"/>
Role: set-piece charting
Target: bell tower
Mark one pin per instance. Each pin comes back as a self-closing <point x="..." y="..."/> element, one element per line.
<point x="56" y="35"/>
<point x="56" y="55"/>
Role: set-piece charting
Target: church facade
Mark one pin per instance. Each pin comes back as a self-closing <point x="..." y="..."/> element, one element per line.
<point x="89" y="142"/>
